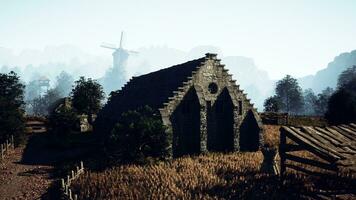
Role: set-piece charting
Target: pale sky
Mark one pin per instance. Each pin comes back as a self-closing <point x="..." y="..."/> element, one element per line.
<point x="295" y="37"/>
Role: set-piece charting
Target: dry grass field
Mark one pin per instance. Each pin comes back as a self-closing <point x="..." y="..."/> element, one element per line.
<point x="271" y="135"/>
<point x="211" y="176"/>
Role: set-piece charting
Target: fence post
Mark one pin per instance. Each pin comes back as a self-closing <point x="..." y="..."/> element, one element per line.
<point x="269" y="161"/>
<point x="12" y="141"/>
<point x="68" y="180"/>
<point x="73" y="174"/>
<point x="282" y="144"/>
<point x="6" y="146"/>
<point x="2" y="151"/>
<point x="70" y="194"/>
<point x="63" y="185"/>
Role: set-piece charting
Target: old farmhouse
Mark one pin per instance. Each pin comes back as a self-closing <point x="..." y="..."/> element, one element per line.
<point x="199" y="103"/>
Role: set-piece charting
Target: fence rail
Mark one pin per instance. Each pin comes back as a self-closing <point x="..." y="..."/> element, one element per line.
<point x="65" y="183"/>
<point x="333" y="145"/>
<point x="6" y="146"/>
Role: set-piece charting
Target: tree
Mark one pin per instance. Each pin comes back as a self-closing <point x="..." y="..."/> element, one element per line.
<point x="86" y="96"/>
<point x="310" y="101"/>
<point x="139" y="135"/>
<point x="271" y="104"/>
<point x="42" y="105"/>
<point x="346" y="78"/>
<point x="341" y="107"/>
<point x="63" y="121"/>
<point x="321" y="104"/>
<point x="32" y="90"/>
<point x="289" y="94"/>
<point x="64" y="84"/>
<point x="11" y="106"/>
<point x="342" y="104"/>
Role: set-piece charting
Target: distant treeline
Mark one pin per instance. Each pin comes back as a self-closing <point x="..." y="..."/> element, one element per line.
<point x="337" y="106"/>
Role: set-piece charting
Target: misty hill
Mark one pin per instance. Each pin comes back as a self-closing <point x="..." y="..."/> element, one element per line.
<point x="255" y="82"/>
<point x="49" y="62"/>
<point x="328" y="76"/>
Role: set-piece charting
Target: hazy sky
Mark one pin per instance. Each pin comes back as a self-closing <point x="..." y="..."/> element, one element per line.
<point x="296" y="36"/>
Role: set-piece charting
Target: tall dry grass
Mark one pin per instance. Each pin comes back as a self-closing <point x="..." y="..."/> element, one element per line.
<point x="271" y="135"/>
<point x="183" y="178"/>
<point x="211" y="176"/>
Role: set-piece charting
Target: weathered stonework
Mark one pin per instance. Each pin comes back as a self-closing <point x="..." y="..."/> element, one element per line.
<point x="203" y="129"/>
<point x="199" y="103"/>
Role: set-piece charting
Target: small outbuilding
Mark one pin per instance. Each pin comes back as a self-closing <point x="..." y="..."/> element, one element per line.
<point x="199" y="102"/>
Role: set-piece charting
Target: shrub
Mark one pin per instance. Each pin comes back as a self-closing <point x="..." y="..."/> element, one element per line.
<point x="341" y="107"/>
<point x="63" y="121"/>
<point x="342" y="103"/>
<point x="11" y="107"/>
<point x="138" y="137"/>
<point x="86" y="97"/>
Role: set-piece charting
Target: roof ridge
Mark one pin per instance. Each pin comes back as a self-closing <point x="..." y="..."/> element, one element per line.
<point x="167" y="68"/>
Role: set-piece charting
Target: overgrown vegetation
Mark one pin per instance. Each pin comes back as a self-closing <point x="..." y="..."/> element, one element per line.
<point x="342" y="104"/>
<point x="66" y="113"/>
<point x="86" y="99"/>
<point x="87" y="95"/>
<point x="11" y="107"/>
<point x="212" y="176"/>
<point x="41" y="105"/>
<point x="139" y="137"/>
<point x="63" y="122"/>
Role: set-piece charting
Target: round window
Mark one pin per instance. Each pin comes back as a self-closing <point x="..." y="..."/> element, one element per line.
<point x="213" y="88"/>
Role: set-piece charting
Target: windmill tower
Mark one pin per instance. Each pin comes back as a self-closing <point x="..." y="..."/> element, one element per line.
<point x="120" y="55"/>
<point x="115" y="76"/>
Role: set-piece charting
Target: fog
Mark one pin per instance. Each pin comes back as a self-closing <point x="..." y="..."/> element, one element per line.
<point x="52" y="60"/>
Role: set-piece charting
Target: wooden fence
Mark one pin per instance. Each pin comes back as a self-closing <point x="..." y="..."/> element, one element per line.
<point x="65" y="183"/>
<point x="6" y="146"/>
<point x="273" y="118"/>
<point x="35" y="126"/>
<point x="285" y="119"/>
<point x="334" y="148"/>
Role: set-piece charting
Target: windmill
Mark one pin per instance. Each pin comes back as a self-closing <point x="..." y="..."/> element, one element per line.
<point x="120" y="55"/>
<point x="114" y="77"/>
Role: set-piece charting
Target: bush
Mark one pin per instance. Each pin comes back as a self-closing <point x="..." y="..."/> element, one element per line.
<point x="63" y="121"/>
<point x="342" y="103"/>
<point x="139" y="137"/>
<point x="86" y="97"/>
<point x="11" y="107"/>
<point x="341" y="107"/>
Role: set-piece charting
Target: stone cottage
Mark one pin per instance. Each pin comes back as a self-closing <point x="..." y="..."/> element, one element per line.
<point x="198" y="101"/>
<point x="82" y="124"/>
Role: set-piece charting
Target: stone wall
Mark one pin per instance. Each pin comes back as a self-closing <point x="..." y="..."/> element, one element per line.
<point x="224" y="110"/>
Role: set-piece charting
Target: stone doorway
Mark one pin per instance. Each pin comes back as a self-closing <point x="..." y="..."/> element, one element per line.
<point x="221" y="123"/>
<point x="249" y="133"/>
<point x="186" y="125"/>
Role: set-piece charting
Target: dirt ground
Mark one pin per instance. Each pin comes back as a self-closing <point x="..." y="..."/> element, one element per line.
<point x="33" y="171"/>
<point x="23" y="181"/>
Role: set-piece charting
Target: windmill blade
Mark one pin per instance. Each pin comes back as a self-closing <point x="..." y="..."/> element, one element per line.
<point x="122" y="35"/>
<point x="108" y="46"/>
<point x="133" y="52"/>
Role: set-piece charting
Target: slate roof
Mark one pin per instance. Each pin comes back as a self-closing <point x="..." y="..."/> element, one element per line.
<point x="151" y="89"/>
